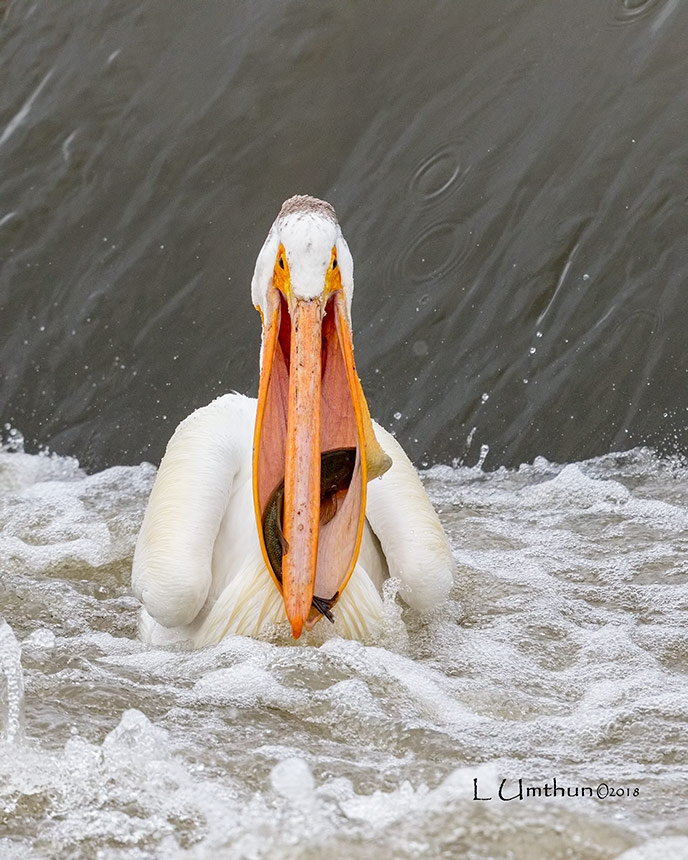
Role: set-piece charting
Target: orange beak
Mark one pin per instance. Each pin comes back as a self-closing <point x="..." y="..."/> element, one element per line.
<point x="314" y="450"/>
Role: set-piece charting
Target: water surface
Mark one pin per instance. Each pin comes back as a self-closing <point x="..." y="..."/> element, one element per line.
<point x="511" y="179"/>
<point x="561" y="653"/>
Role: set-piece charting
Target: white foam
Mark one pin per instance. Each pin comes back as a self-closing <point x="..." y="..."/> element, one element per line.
<point x="11" y="686"/>
<point x="246" y="685"/>
<point x="293" y="780"/>
<point x="561" y="652"/>
<point x="668" y="848"/>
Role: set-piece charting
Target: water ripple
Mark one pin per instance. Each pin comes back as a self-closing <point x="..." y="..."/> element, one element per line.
<point x="24" y="111"/>
<point x="439" y="173"/>
<point x="628" y="11"/>
<point x="436" y="251"/>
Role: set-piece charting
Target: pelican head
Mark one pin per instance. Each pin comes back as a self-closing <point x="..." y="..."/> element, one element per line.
<point x="314" y="447"/>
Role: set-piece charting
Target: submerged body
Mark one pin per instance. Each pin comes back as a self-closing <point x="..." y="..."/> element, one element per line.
<point x="295" y="503"/>
<point x="198" y="566"/>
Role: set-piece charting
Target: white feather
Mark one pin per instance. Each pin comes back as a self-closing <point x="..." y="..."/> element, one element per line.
<point x="412" y="538"/>
<point x="198" y="568"/>
<point x="308" y="229"/>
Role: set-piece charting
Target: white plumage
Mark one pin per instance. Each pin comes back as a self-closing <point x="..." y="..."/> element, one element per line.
<point x="198" y="567"/>
<point x="214" y="522"/>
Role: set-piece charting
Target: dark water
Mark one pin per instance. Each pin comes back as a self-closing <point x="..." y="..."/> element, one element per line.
<point x="511" y="177"/>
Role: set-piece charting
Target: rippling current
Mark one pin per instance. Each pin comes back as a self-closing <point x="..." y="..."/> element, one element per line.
<point x="511" y="178"/>
<point x="561" y="654"/>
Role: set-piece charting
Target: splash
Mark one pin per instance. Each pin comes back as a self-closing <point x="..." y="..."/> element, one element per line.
<point x="561" y="652"/>
<point x="11" y="686"/>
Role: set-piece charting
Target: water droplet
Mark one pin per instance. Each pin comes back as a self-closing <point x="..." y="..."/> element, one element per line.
<point x="484" y="397"/>
<point x="11" y="673"/>
<point x="533" y="350"/>
<point x="397" y="415"/>
<point x="484" y="451"/>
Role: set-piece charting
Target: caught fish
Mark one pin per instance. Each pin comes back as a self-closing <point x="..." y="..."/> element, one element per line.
<point x="336" y="470"/>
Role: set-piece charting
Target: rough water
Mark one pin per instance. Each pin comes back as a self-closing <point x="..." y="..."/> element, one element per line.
<point x="511" y="178"/>
<point x="561" y="654"/>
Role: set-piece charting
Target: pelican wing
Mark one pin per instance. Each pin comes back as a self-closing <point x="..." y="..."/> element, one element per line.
<point x="208" y="455"/>
<point x="408" y="528"/>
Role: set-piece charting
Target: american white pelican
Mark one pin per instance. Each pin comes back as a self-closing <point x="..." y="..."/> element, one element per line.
<point x="261" y="510"/>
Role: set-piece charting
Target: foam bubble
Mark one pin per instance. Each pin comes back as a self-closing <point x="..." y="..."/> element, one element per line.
<point x="293" y="780"/>
<point x="561" y="652"/>
<point x="11" y="685"/>
<point x="668" y="848"/>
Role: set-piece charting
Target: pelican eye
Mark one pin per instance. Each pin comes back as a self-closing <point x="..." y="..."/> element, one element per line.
<point x="281" y="263"/>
